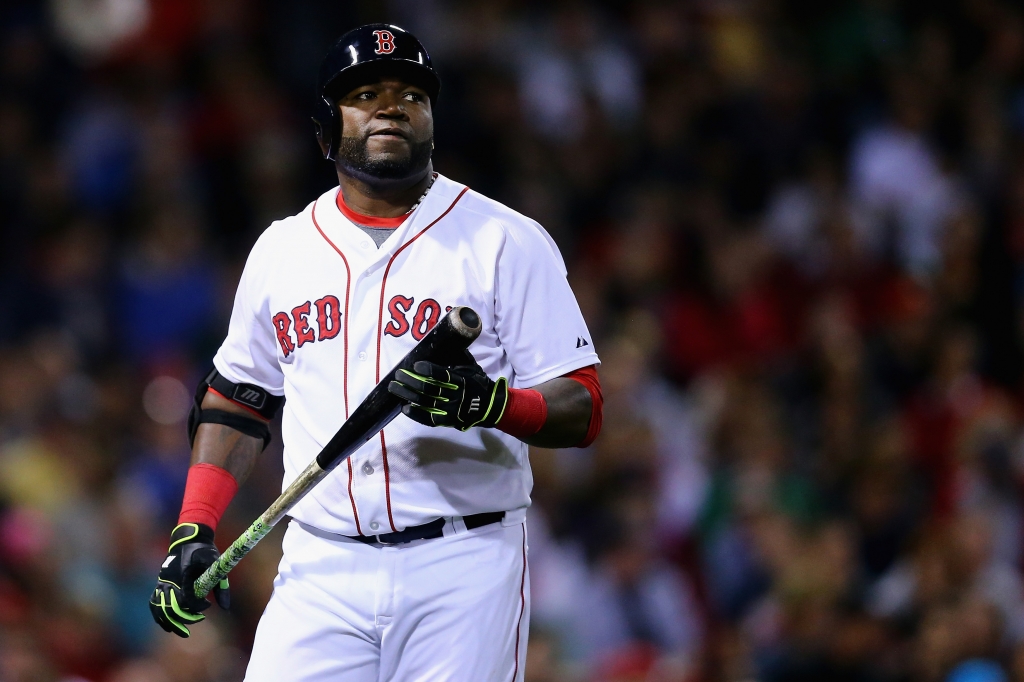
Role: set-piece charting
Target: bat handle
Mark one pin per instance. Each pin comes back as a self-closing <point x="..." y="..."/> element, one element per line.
<point x="231" y="556"/>
<point x="260" y="528"/>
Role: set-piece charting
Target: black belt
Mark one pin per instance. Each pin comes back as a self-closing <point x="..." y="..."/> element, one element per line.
<point x="428" y="531"/>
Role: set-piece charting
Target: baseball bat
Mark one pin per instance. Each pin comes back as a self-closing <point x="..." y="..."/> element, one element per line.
<point x="446" y="343"/>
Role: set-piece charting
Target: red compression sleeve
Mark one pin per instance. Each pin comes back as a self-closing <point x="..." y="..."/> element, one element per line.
<point x="526" y="410"/>
<point x="525" y="413"/>
<point x="588" y="377"/>
<point x="208" y="491"/>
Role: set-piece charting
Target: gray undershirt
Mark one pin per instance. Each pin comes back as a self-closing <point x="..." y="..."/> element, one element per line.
<point x="378" y="234"/>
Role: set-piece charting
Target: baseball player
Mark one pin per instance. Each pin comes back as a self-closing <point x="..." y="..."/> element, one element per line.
<point x="408" y="562"/>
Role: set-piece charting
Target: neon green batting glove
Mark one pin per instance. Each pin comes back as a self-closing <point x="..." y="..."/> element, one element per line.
<point x="460" y="397"/>
<point x="174" y="604"/>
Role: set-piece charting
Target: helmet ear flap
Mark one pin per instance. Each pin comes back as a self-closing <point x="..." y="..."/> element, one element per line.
<point x="319" y="132"/>
<point x="327" y="124"/>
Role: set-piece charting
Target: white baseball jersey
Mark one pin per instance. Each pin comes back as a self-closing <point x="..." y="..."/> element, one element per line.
<point x="321" y="314"/>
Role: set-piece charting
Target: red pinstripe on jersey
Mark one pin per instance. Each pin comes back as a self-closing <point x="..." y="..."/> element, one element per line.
<point x="348" y="283"/>
<point x="380" y="325"/>
<point x="522" y="606"/>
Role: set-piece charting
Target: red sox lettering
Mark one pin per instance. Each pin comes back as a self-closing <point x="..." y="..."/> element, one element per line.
<point x="427" y="314"/>
<point x="293" y="328"/>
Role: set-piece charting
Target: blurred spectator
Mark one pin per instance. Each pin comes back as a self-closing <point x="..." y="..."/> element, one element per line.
<point x="167" y="290"/>
<point x="898" y="182"/>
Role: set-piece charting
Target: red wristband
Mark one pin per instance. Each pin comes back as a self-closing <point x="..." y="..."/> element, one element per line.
<point x="525" y="413"/>
<point x="208" y="491"/>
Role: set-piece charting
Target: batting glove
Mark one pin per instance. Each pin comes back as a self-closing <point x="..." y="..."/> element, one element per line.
<point x="459" y="397"/>
<point x="174" y="603"/>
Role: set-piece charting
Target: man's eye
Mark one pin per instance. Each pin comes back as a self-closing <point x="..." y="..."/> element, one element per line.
<point x="413" y="97"/>
<point x="365" y="95"/>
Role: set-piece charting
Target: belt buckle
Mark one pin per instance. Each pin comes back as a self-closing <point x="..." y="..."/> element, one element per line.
<point x="384" y="542"/>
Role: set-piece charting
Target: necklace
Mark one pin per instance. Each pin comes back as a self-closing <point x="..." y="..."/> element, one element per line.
<point x="429" y="185"/>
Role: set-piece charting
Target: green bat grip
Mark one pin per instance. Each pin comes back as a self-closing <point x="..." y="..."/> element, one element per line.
<point x="231" y="556"/>
<point x="260" y="528"/>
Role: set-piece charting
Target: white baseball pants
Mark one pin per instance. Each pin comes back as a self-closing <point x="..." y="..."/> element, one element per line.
<point x="451" y="609"/>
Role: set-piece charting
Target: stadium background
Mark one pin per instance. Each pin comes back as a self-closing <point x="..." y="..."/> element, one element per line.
<point x="796" y="230"/>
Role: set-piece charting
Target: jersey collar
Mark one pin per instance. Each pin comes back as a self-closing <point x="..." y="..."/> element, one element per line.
<point x="344" y="232"/>
<point x="368" y="220"/>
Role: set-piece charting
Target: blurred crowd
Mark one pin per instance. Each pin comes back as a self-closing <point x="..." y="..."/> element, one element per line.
<point x="796" y="230"/>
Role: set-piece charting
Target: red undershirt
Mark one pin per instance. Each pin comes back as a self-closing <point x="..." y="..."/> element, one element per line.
<point x="368" y="220"/>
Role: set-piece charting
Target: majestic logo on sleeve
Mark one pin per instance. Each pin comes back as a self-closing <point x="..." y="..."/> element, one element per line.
<point x="294" y="329"/>
<point x="385" y="42"/>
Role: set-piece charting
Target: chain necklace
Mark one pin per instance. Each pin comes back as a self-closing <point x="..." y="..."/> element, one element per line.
<point x="422" y="196"/>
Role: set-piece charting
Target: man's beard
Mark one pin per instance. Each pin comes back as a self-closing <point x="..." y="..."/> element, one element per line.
<point x="354" y="159"/>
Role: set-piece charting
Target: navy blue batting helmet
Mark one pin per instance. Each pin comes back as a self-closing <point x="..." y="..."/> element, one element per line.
<point x="361" y="56"/>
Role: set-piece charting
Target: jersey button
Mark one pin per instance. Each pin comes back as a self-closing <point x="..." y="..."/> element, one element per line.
<point x="367" y="469"/>
<point x="362" y="356"/>
<point x="365" y="245"/>
<point x="374" y="526"/>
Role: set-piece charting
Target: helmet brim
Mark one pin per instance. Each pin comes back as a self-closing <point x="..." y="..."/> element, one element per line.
<point x="358" y="75"/>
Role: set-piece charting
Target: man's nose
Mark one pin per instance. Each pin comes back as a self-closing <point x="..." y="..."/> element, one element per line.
<point x="391" y="107"/>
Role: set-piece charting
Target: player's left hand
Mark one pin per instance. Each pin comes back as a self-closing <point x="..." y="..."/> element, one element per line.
<point x="174" y="603"/>
<point x="459" y="397"/>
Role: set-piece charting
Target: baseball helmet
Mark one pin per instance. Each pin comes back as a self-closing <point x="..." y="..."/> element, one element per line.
<point x="360" y="56"/>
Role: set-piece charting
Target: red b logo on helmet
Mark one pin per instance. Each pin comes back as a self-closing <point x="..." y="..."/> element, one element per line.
<point x="385" y="42"/>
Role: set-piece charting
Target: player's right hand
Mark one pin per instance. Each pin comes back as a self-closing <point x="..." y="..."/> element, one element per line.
<point x="174" y="604"/>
